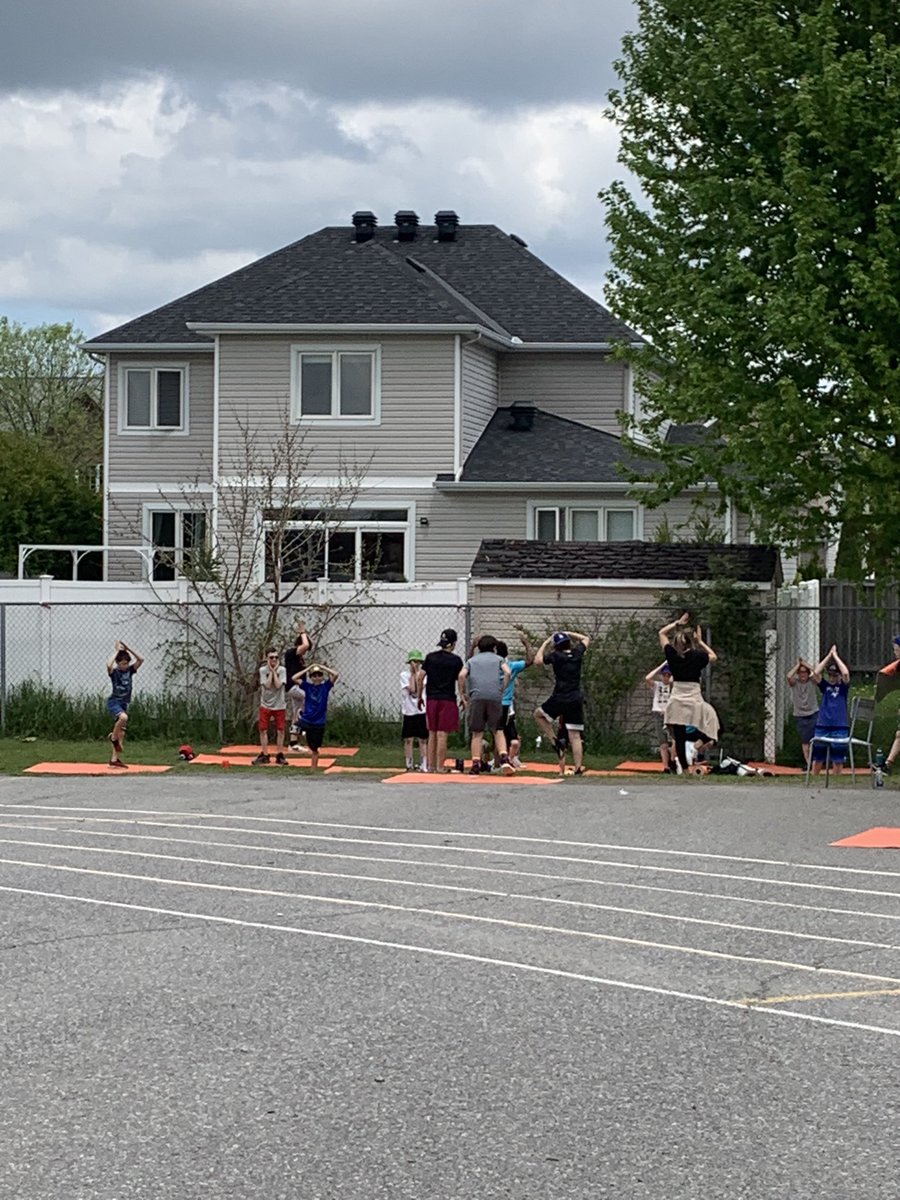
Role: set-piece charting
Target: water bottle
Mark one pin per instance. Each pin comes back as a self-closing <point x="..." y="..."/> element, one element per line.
<point x="538" y="742"/>
<point x="878" y="769"/>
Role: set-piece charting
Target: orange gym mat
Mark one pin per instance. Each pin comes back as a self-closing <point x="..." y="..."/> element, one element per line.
<point x="337" y="769"/>
<point x="882" y="837"/>
<point x="71" y="768"/>
<point x="455" y="777"/>
<point x="656" y="767"/>
<point x="219" y="760"/>
<point x="330" y="751"/>
<point x="539" y="768"/>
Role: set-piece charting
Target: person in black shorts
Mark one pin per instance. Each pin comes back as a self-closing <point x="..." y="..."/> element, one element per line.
<point x="567" y="702"/>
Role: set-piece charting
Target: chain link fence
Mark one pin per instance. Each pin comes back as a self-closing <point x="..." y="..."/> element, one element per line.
<point x="199" y="676"/>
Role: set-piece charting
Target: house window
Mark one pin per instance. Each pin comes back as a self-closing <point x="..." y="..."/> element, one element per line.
<point x="336" y="385"/>
<point x="179" y="543"/>
<point x="154" y="399"/>
<point x="585" y="524"/>
<point x="363" y="544"/>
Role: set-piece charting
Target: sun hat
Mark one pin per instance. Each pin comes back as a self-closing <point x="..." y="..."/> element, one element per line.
<point x="415" y="656"/>
<point x="316" y="669"/>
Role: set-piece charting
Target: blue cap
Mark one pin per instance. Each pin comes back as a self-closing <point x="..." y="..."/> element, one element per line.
<point x="665" y="669"/>
<point x="897" y="640"/>
<point x="559" y="638"/>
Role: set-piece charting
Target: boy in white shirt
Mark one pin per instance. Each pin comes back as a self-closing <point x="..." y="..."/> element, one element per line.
<point x="412" y="710"/>
<point x="660" y="679"/>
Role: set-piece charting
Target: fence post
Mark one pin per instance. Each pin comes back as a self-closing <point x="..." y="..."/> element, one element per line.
<point x="220" y="638"/>
<point x="467" y="629"/>
<point x="3" y="669"/>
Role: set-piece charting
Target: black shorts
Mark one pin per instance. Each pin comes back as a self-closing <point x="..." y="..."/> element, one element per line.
<point x="485" y="714"/>
<point x="414" y="726"/>
<point x="315" y="735"/>
<point x="570" y="709"/>
<point x="509" y="724"/>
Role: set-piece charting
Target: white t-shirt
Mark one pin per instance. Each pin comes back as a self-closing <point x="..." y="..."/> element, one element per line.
<point x="662" y="690"/>
<point x="409" y="704"/>
<point x="272" y="698"/>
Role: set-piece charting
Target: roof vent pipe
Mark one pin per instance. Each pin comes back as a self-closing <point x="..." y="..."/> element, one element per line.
<point x="365" y="224"/>
<point x="407" y="223"/>
<point x="522" y="415"/>
<point x="446" y="221"/>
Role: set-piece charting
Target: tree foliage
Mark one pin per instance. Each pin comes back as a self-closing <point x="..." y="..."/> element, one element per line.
<point x="762" y="260"/>
<point x="51" y="390"/>
<point x="42" y="501"/>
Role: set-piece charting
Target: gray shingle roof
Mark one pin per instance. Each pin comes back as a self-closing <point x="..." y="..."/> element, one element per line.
<point x="506" y="558"/>
<point x="554" y="450"/>
<point x="329" y="278"/>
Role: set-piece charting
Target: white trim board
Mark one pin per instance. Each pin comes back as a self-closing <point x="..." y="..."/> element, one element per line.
<point x="387" y="483"/>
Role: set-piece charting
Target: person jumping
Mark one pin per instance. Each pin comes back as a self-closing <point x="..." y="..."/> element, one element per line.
<point x="121" y="669"/>
<point x="567" y="701"/>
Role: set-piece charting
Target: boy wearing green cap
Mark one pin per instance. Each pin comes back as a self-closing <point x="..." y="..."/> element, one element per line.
<point x="412" y="709"/>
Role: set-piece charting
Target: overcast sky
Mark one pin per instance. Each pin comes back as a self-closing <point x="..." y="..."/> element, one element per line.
<point x="149" y="146"/>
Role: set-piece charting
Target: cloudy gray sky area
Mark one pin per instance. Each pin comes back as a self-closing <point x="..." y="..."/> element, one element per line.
<point x="148" y="147"/>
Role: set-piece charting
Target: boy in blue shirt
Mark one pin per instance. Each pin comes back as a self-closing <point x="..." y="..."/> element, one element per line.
<point x="316" y="683"/>
<point x="508" y="700"/>
<point x="121" y="669"/>
<point x="833" y="720"/>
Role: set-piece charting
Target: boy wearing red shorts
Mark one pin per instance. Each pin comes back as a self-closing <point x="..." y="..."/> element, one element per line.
<point x="272" y="706"/>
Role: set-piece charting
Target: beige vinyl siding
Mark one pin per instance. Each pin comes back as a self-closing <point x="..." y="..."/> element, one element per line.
<point x="164" y="457"/>
<point x="126" y="525"/>
<point x="480" y="392"/>
<point x="589" y="388"/>
<point x="415" y="436"/>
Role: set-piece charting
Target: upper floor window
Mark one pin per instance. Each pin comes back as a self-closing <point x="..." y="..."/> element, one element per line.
<point x="153" y="399"/>
<point x="574" y="523"/>
<point x="342" y="386"/>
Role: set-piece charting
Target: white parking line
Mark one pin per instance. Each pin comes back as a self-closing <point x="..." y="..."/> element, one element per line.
<point x="505" y="837"/>
<point x="752" y="1012"/>
<point x="454" y="916"/>
<point x="414" y="883"/>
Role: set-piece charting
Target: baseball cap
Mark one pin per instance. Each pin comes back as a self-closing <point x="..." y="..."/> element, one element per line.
<point x="447" y="638"/>
<point x="559" y="638"/>
<point x="415" y="656"/>
<point x="665" y="669"/>
<point x="897" y="640"/>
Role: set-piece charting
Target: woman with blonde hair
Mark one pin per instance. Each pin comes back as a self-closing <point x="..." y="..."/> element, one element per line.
<point x="687" y="655"/>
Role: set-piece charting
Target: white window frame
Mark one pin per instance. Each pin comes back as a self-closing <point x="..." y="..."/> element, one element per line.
<point x="153" y="429"/>
<point x="347" y="524"/>
<point x="179" y="508"/>
<point x="564" y="512"/>
<point x="334" y="419"/>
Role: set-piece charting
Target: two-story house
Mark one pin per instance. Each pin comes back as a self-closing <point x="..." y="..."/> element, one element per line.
<point x="469" y="389"/>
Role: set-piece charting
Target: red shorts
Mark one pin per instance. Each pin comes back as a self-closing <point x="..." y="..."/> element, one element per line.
<point x="271" y="714"/>
<point x="442" y="716"/>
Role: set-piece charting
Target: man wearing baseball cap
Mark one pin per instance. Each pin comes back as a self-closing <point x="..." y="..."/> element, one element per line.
<point x="440" y="674"/>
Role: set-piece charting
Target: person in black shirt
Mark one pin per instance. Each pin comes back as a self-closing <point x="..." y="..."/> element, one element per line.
<point x="294" y="663"/>
<point x="439" y="678"/>
<point x="567" y="702"/>
<point x="688" y="656"/>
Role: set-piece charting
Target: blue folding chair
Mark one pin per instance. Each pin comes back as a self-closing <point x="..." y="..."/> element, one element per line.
<point x="862" y="718"/>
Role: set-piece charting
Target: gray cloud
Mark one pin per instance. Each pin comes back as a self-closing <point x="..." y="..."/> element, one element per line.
<point x="486" y="52"/>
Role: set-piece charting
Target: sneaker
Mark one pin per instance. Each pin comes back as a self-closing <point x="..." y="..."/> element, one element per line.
<point x="679" y="769"/>
<point x="580" y="771"/>
<point x="516" y="762"/>
<point x="506" y="767"/>
<point x="886" y="768"/>
<point x="117" y="762"/>
<point x="261" y="760"/>
<point x="281" y="760"/>
<point x="423" y="767"/>
<point x="475" y="768"/>
<point x="409" y="765"/>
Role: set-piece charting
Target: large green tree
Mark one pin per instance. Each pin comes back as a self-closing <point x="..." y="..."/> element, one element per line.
<point x="51" y="390"/>
<point x="760" y="255"/>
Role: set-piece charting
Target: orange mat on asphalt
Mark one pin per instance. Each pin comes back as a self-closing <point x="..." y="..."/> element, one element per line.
<point x="539" y="768"/>
<point x="330" y="751"/>
<point x="337" y="769"/>
<point x="71" y="768"/>
<point x="882" y="837"/>
<point x="770" y="768"/>
<point x="219" y="760"/>
<point x="455" y="777"/>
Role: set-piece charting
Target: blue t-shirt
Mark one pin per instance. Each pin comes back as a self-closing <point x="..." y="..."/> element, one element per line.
<point x="833" y="710"/>
<point x="121" y="684"/>
<point x="515" y="669"/>
<point x="315" y="701"/>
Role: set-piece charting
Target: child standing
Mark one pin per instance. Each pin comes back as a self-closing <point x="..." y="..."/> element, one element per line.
<point x="660" y="679"/>
<point x="120" y="669"/>
<point x="316" y="683"/>
<point x="272" y="705"/>
<point x="412" y="709"/>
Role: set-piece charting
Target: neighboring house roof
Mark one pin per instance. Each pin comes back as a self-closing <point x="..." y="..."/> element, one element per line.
<point x="553" y="450"/>
<point x="483" y="276"/>
<point x="506" y="558"/>
<point x="691" y="435"/>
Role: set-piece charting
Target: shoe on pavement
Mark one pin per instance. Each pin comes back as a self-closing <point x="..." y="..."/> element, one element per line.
<point x="506" y="767"/>
<point x="117" y="762"/>
<point x="475" y="768"/>
<point x="261" y="760"/>
<point x="281" y="760"/>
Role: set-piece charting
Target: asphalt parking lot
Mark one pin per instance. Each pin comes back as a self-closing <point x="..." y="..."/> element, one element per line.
<point x="338" y="988"/>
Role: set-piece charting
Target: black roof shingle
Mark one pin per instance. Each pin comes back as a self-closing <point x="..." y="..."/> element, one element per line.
<point x="329" y="278"/>
<point x="506" y="558"/>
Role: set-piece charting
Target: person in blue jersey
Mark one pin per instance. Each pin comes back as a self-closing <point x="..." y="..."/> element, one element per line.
<point x="121" y="669"/>
<point x="508" y="700"/>
<point x="316" y="683"/>
<point x="833" y="681"/>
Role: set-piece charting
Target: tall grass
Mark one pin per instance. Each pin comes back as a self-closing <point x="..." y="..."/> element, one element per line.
<point x="35" y="711"/>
